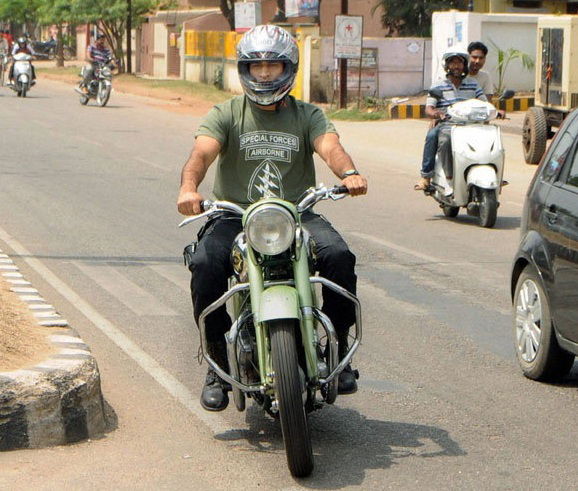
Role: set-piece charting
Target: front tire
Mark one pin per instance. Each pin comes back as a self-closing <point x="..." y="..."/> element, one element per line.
<point x="534" y="135"/>
<point x="539" y="355"/>
<point x="488" y="208"/>
<point x="289" y="390"/>
<point x="103" y="94"/>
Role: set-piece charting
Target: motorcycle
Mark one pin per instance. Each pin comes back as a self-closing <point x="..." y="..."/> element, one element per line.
<point x="473" y="180"/>
<point x="47" y="48"/>
<point x="100" y="87"/>
<point x="282" y="350"/>
<point x="22" y="74"/>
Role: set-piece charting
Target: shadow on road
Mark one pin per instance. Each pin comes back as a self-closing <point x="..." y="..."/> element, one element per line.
<point x="502" y="222"/>
<point x="346" y="444"/>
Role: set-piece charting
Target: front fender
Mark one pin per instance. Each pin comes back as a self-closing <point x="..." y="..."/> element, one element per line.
<point x="482" y="176"/>
<point x="532" y="250"/>
<point x="279" y="302"/>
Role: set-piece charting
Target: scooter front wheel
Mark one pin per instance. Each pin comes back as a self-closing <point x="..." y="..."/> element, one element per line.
<point x="488" y="208"/>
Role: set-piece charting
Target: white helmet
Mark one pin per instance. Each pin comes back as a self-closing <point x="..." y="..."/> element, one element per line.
<point x="448" y="55"/>
<point x="267" y="43"/>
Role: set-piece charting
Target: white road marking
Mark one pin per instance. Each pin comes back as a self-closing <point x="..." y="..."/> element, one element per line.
<point x="424" y="257"/>
<point x="175" y="273"/>
<point x="152" y="164"/>
<point x="214" y="422"/>
<point x="131" y="295"/>
<point x="88" y="140"/>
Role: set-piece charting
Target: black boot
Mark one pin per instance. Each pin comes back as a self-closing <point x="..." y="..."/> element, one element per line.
<point x="347" y="382"/>
<point x="214" y="396"/>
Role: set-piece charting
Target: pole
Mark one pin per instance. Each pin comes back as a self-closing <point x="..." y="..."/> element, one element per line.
<point x="343" y="67"/>
<point x="129" y="37"/>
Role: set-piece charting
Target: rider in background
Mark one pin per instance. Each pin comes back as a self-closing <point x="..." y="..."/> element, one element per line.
<point x="457" y="86"/>
<point x="22" y="46"/>
<point x="95" y="53"/>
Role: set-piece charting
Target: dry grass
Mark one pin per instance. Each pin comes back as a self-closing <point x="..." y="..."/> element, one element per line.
<point x="23" y="342"/>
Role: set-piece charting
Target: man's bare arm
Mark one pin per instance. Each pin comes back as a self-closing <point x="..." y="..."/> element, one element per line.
<point x="204" y="153"/>
<point x="332" y="152"/>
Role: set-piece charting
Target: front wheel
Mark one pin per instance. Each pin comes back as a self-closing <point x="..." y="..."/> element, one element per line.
<point x="488" y="208"/>
<point x="539" y="355"/>
<point x="289" y="389"/>
<point x="103" y="94"/>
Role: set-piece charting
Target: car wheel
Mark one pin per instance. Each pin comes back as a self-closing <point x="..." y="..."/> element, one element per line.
<point x="537" y="349"/>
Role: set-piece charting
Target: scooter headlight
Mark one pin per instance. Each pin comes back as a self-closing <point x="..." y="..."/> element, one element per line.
<point x="270" y="229"/>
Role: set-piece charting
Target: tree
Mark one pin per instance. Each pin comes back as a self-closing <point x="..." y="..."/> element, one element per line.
<point x="504" y="59"/>
<point x="412" y="18"/>
<point x="111" y="17"/>
<point x="57" y="12"/>
<point x="20" y="12"/>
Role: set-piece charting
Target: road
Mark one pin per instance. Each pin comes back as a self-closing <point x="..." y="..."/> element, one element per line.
<point x="87" y="200"/>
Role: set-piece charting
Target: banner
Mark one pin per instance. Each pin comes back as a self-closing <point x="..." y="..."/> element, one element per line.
<point x="301" y="8"/>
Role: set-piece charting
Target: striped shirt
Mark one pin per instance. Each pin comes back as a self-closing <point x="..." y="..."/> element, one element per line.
<point x="468" y="89"/>
<point x="98" y="54"/>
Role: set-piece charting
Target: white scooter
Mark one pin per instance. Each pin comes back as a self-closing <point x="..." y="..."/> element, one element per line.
<point x="474" y="181"/>
<point x="22" y="74"/>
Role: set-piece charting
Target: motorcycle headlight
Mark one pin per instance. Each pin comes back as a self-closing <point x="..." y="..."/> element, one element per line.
<point x="270" y="230"/>
<point x="106" y="72"/>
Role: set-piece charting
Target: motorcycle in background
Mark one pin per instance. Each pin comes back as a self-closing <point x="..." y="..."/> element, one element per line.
<point x="473" y="180"/>
<point x="49" y="49"/>
<point x="282" y="350"/>
<point x="4" y="60"/>
<point x="100" y="87"/>
<point x="22" y="74"/>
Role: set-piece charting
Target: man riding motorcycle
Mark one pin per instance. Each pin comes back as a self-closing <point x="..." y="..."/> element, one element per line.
<point x="95" y="53"/>
<point x="22" y="46"/>
<point x="265" y="141"/>
<point x="457" y="86"/>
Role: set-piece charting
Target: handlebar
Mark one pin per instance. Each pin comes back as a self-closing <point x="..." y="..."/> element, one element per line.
<point x="308" y="199"/>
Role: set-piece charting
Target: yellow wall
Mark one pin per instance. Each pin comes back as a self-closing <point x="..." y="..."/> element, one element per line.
<point x="500" y="6"/>
<point x="217" y="44"/>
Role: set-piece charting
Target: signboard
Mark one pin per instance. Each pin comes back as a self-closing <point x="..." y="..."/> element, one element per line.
<point x="348" y="36"/>
<point x="364" y="82"/>
<point x="247" y="15"/>
<point x="301" y="8"/>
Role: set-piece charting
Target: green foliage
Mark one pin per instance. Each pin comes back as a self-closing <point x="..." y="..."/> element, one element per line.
<point x="412" y="18"/>
<point x="504" y="59"/>
<point x="19" y="11"/>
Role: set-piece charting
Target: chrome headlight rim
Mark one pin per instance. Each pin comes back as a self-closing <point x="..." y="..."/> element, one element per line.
<point x="257" y="242"/>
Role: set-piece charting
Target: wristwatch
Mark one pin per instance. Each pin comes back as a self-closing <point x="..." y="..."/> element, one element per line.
<point x="351" y="172"/>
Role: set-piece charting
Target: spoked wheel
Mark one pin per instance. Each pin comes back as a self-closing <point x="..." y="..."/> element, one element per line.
<point x="488" y="208"/>
<point x="103" y="94"/>
<point x="450" y="211"/>
<point x="534" y="135"/>
<point x="289" y="389"/>
<point x="537" y="349"/>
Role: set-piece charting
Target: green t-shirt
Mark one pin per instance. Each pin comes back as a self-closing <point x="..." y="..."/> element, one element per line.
<point x="264" y="153"/>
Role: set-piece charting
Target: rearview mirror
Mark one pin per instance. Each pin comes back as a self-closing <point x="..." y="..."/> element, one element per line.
<point x="508" y="94"/>
<point x="436" y="94"/>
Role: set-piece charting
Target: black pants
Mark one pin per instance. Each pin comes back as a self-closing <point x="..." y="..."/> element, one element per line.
<point x="209" y="261"/>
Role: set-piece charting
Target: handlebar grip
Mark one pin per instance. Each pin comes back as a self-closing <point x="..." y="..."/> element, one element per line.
<point x="340" y="190"/>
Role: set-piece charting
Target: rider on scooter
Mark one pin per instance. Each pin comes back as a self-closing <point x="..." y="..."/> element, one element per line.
<point x="22" y="46"/>
<point x="457" y="86"/>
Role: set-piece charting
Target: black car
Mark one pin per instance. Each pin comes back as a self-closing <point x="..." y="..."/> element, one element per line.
<point x="544" y="282"/>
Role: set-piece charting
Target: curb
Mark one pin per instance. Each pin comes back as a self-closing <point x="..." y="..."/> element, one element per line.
<point x="417" y="111"/>
<point x="59" y="400"/>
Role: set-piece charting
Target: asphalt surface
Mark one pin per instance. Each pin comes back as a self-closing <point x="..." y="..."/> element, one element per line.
<point x="90" y="192"/>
